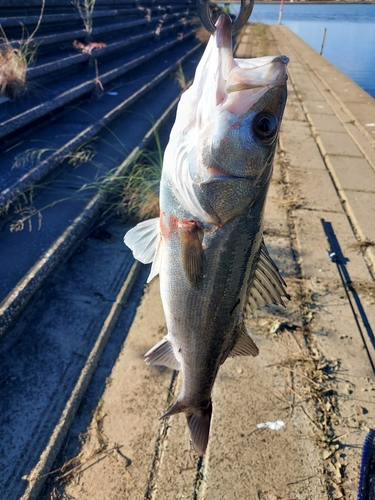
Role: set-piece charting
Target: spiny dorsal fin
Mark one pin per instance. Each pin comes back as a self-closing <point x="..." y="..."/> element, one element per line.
<point x="191" y="251"/>
<point x="268" y="286"/>
<point x="143" y="239"/>
<point x="162" y="354"/>
<point x="244" y="346"/>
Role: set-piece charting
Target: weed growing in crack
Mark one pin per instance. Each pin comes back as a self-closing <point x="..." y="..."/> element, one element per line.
<point x="179" y="76"/>
<point x="134" y="194"/>
<point x="31" y="157"/>
<point x="86" y="9"/>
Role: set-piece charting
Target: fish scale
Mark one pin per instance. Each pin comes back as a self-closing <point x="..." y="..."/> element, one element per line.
<point x="207" y="245"/>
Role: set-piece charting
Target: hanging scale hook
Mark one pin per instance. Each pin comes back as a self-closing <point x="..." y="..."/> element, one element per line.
<point x="204" y="13"/>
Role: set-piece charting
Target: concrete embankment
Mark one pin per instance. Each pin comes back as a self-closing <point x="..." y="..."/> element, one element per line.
<point x="314" y="371"/>
<point x="340" y="117"/>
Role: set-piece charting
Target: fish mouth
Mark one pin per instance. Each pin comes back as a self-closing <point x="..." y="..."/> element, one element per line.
<point x="219" y="175"/>
<point x="224" y="32"/>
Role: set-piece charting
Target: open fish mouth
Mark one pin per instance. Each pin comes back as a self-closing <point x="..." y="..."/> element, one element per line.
<point x="216" y="136"/>
<point x="221" y="175"/>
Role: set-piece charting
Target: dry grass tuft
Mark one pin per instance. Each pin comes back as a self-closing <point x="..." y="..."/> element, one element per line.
<point x="361" y="246"/>
<point x="179" y="76"/>
<point x="140" y="197"/>
<point x="364" y="288"/>
<point x="13" y="66"/>
<point x="15" y="58"/>
<point x="202" y="35"/>
<point x="291" y="203"/>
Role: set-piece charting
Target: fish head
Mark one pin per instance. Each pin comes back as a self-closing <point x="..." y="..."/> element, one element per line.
<point x="219" y="158"/>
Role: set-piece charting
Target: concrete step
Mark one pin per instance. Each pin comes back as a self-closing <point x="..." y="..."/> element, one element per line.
<point x="74" y="98"/>
<point x="63" y="222"/>
<point x="78" y="84"/>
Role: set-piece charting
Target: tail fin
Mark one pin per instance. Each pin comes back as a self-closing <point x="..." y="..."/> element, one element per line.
<point x="199" y="426"/>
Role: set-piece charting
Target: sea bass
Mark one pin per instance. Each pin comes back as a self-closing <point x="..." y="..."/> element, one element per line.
<point x="207" y="246"/>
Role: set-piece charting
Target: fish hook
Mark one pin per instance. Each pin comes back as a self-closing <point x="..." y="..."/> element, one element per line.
<point x="203" y="8"/>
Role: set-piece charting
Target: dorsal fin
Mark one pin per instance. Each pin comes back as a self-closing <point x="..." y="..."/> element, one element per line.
<point x="244" y="346"/>
<point x="162" y="354"/>
<point x="268" y="285"/>
<point x="142" y="240"/>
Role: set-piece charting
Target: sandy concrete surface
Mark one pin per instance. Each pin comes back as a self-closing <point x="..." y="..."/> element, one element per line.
<point x="313" y="372"/>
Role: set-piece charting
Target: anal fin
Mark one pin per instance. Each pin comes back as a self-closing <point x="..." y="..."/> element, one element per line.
<point x="162" y="354"/>
<point x="244" y="346"/>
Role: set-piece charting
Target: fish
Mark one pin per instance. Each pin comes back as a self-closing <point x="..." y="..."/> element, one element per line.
<point x="207" y="244"/>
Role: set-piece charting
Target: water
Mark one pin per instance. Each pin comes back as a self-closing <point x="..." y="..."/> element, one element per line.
<point x="350" y="38"/>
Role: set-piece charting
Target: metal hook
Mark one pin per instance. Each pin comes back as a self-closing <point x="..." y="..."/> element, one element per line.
<point x="203" y="8"/>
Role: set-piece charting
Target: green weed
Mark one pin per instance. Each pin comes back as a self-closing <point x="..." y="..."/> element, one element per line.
<point x="134" y="194"/>
<point x="86" y="9"/>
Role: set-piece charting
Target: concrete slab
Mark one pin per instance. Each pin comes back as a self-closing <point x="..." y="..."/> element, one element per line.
<point x="336" y="143"/>
<point x="293" y="111"/>
<point x="320" y="107"/>
<point x="326" y="123"/>
<point x="246" y="459"/>
<point x="361" y="208"/>
<point x="310" y="92"/>
<point x="132" y="388"/>
<point x="177" y="473"/>
<point x="364" y="112"/>
<point x="336" y="334"/>
<point x="276" y="221"/>
<point x="315" y="190"/>
<point x="367" y="147"/>
<point x="302" y="150"/>
<point x="312" y="246"/>
<point x="350" y="173"/>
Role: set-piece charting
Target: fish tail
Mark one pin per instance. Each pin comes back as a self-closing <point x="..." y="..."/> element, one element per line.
<point x="199" y="427"/>
<point x="198" y="420"/>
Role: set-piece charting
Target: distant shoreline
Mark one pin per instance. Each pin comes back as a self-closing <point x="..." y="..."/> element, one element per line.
<point x="309" y="2"/>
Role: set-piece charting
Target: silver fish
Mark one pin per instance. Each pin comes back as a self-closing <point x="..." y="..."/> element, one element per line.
<point x="207" y="245"/>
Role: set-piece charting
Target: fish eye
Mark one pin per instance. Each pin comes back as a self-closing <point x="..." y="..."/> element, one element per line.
<point x="265" y="126"/>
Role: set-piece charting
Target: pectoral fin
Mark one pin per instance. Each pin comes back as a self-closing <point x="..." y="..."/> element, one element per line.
<point x="244" y="346"/>
<point x="192" y="251"/>
<point x="144" y="240"/>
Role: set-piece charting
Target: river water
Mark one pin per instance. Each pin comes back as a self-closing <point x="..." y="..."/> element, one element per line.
<point x="350" y="36"/>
